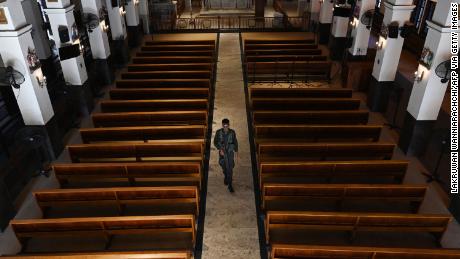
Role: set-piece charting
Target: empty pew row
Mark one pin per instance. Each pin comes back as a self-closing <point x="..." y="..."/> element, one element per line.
<point x="315" y="133"/>
<point x="356" y="117"/>
<point x="105" y="227"/>
<point x="154" y="105"/>
<point x="282" y="197"/>
<point x="170" y="67"/>
<point x="159" y="93"/>
<point x="333" y="171"/>
<point x="256" y="92"/>
<point x="303" y="70"/>
<point x="153" y="173"/>
<point x="179" y="42"/>
<point x="125" y="119"/>
<point x="175" y="53"/>
<point x="110" y="255"/>
<point x="282" y="251"/>
<point x="178" y="47"/>
<point x="284" y="58"/>
<point x="277" y="152"/>
<point x="163" y="83"/>
<point x="172" y="60"/>
<point x="280" y="225"/>
<point x="278" y="41"/>
<point x="205" y="74"/>
<point x="292" y="52"/>
<point x="142" y="133"/>
<point x="165" y="199"/>
<point x="260" y="46"/>
<point x="299" y="104"/>
<point x="169" y="150"/>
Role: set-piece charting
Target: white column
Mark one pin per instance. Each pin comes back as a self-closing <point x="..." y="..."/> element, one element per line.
<point x="61" y="16"/>
<point x="314" y="7"/>
<point x="359" y="32"/>
<point x="98" y="38"/>
<point x="387" y="57"/>
<point x="117" y="21"/>
<point x="326" y="10"/>
<point x="18" y="51"/>
<point x="39" y="35"/>
<point x="144" y="15"/>
<point x="427" y="95"/>
<point x="339" y="26"/>
<point x="132" y="13"/>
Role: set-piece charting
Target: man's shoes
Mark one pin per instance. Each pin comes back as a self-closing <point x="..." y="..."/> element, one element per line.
<point x="230" y="189"/>
<point x="225" y="181"/>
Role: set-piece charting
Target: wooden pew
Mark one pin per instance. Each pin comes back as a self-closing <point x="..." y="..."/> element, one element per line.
<point x="294" y="196"/>
<point x="356" y="117"/>
<point x="169" y="150"/>
<point x="302" y="104"/>
<point x="315" y="133"/>
<point x="175" y="53"/>
<point x="142" y="133"/>
<point x="170" y="67"/>
<point x="205" y="74"/>
<point x="284" y="58"/>
<point x="109" y="255"/>
<point x="282" y="251"/>
<point x="177" y="47"/>
<point x="172" y="60"/>
<point x="126" y="119"/>
<point x="294" y="52"/>
<point x="105" y="227"/>
<point x="278" y="41"/>
<point x="163" y="83"/>
<point x="350" y="171"/>
<point x="159" y="93"/>
<point x="256" y="92"/>
<point x="165" y="199"/>
<point x="279" y="46"/>
<point x="303" y="70"/>
<point x="297" y="152"/>
<point x="154" y="105"/>
<point x="179" y="42"/>
<point x="291" y="223"/>
<point x="157" y="173"/>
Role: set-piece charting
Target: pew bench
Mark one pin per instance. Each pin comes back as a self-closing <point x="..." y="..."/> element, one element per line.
<point x="163" y="118"/>
<point x="163" y="83"/>
<point x="278" y="41"/>
<point x="104" y="227"/>
<point x="304" y="104"/>
<point x="170" y="67"/>
<point x="293" y="223"/>
<point x="284" y="58"/>
<point x="159" y="93"/>
<point x="368" y="171"/>
<point x="166" y="200"/>
<point x="175" y="53"/>
<point x="142" y="133"/>
<point x="292" y="52"/>
<point x="352" y="117"/>
<point x="282" y="251"/>
<point x="196" y="74"/>
<point x="298" y="152"/>
<point x="291" y="70"/>
<point x="261" y="46"/>
<point x="179" y="42"/>
<point x="315" y="133"/>
<point x="169" y="150"/>
<point x="152" y="173"/>
<point x="153" y="105"/>
<point x="178" y="47"/>
<point x="172" y="60"/>
<point x="109" y="255"/>
<point x="282" y="197"/>
<point x="256" y="92"/>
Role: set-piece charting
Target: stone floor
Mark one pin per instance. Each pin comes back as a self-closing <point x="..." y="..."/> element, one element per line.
<point x="230" y="229"/>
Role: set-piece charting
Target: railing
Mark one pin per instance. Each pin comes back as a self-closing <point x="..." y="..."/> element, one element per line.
<point x="231" y="23"/>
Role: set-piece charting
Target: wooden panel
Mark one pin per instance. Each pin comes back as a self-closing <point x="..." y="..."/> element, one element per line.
<point x="124" y="119"/>
<point x="167" y="75"/>
<point x="170" y="67"/>
<point x="159" y="93"/>
<point x="311" y="117"/>
<point x="154" y="105"/>
<point x="163" y="83"/>
<point x="277" y="104"/>
<point x="257" y="92"/>
<point x="110" y="255"/>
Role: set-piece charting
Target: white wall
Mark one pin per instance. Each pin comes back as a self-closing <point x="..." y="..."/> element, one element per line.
<point x="117" y="22"/>
<point x="14" y="15"/>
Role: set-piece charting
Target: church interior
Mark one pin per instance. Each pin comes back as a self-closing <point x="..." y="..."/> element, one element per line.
<point x="342" y="111"/>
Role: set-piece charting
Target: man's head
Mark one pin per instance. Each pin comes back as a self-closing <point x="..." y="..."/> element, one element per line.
<point x="225" y="124"/>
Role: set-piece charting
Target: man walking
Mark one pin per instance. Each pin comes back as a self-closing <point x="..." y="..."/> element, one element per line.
<point x="225" y="141"/>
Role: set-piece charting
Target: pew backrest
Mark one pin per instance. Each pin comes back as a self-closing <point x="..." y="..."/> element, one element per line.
<point x="352" y="117"/>
<point x="124" y="119"/>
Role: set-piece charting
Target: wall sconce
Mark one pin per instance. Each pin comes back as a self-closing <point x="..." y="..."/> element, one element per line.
<point x="321" y="1"/>
<point x="82" y="48"/>
<point x="122" y="11"/>
<point x="418" y="77"/>
<point x="379" y="45"/>
<point x="136" y="2"/>
<point x="41" y="81"/>
<point x="104" y="27"/>
<point x="354" y="22"/>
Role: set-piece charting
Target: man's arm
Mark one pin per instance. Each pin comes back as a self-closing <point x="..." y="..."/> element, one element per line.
<point x="216" y="140"/>
<point x="235" y="142"/>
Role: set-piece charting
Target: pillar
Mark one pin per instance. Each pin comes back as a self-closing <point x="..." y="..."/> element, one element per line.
<point x="120" y="50"/>
<point x="132" y="20"/>
<point x="360" y="32"/>
<point x="144" y="15"/>
<point x="313" y="7"/>
<point x="325" y="20"/>
<point x="339" y="30"/>
<point x="99" y="42"/>
<point x="427" y="94"/>
<point x="389" y="47"/>
<point x="17" y="50"/>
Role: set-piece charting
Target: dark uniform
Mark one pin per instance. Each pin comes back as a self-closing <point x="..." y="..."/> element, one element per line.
<point x="229" y="144"/>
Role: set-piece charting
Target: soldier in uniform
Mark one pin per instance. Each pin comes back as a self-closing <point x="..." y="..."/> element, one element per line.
<point x="225" y="141"/>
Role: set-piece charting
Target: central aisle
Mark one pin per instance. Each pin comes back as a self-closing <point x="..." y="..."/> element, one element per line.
<point x="230" y="229"/>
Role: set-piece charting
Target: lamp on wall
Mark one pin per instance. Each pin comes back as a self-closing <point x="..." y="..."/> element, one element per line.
<point x="104" y="26"/>
<point x="136" y="2"/>
<point x="418" y="76"/>
<point x="354" y="22"/>
<point x="122" y="11"/>
<point x="379" y="44"/>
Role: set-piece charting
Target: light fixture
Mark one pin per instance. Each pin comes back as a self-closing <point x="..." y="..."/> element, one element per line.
<point x="122" y="11"/>
<point x="41" y="81"/>
<point x="136" y="2"/>
<point x="82" y="48"/>
<point x="418" y="77"/>
<point x="354" y="22"/>
<point x="104" y="26"/>
<point x="379" y="44"/>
